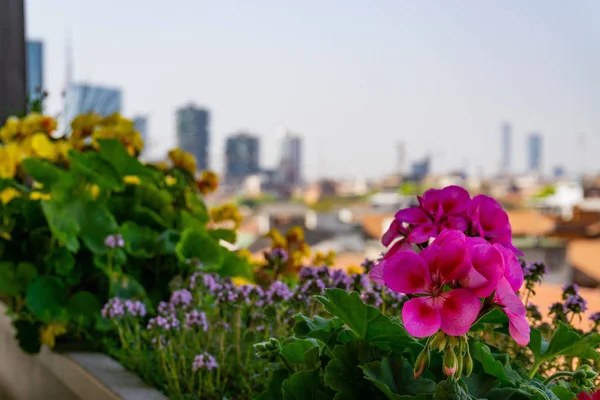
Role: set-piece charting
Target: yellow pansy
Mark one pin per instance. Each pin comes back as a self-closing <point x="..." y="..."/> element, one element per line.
<point x="49" y="333"/>
<point x="226" y="212"/>
<point x="132" y="180"/>
<point x="62" y="148"/>
<point x="162" y="165"/>
<point x="295" y="234"/>
<point x="277" y="240"/>
<point x="39" y="196"/>
<point x="208" y="182"/>
<point x="10" y="156"/>
<point x="324" y="259"/>
<point x="183" y="160"/>
<point x="170" y="180"/>
<point x="355" y="270"/>
<point x="240" y="280"/>
<point x="10" y="129"/>
<point x="245" y="254"/>
<point x="34" y="123"/>
<point x="8" y="194"/>
<point x="94" y="190"/>
<point x="43" y="147"/>
<point x="83" y="126"/>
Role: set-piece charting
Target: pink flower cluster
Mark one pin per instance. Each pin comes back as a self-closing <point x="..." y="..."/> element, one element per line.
<point x="467" y="264"/>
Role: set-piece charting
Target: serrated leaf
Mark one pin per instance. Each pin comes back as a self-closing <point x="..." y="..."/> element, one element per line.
<point x="565" y="341"/>
<point x="480" y="352"/>
<point x="197" y="244"/>
<point x="394" y="376"/>
<point x="305" y="385"/>
<point x="367" y="322"/>
<point x="294" y="352"/>
<point x="274" y="390"/>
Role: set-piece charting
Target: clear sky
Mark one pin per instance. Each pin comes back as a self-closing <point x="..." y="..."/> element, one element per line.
<point x="354" y="77"/>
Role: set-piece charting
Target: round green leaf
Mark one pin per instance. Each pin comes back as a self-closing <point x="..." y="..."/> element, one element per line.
<point x="198" y="244"/>
<point x="46" y="299"/>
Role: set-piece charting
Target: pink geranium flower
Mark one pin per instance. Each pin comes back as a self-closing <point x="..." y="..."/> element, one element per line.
<point x="438" y="209"/>
<point x="424" y="276"/>
<point x="487" y="267"/>
<point x="589" y="396"/>
<point x="511" y="305"/>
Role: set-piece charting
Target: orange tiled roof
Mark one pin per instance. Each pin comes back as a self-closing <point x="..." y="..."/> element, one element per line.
<point x="528" y="222"/>
<point x="548" y="294"/>
<point x="373" y="224"/>
<point x="584" y="254"/>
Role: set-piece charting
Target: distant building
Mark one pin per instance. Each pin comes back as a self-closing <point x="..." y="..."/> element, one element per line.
<point x="291" y="160"/>
<point x="35" y="70"/>
<point x="558" y="171"/>
<point x="192" y="133"/>
<point x="242" y="157"/>
<point x="87" y="98"/>
<point x="140" y="124"/>
<point x="535" y="153"/>
<point x="13" y="79"/>
<point x="506" y="143"/>
<point x="420" y="169"/>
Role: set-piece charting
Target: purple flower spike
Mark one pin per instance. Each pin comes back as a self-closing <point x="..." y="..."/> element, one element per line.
<point x="204" y="361"/>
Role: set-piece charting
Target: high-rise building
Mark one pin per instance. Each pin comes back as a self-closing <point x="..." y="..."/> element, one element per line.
<point x="13" y="76"/>
<point x="242" y="157"/>
<point x="420" y="169"/>
<point x="35" y="70"/>
<point x="87" y="98"/>
<point x="535" y="153"/>
<point x="192" y="133"/>
<point x="506" y="143"/>
<point x="140" y="124"/>
<point x="291" y="160"/>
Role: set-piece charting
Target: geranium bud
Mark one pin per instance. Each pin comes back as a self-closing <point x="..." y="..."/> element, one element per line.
<point x="439" y="341"/>
<point x="422" y="363"/>
<point x="459" y="360"/>
<point x="467" y="361"/>
<point x="450" y="361"/>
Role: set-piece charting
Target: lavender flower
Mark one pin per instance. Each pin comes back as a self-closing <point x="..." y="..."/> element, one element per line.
<point x="278" y="292"/>
<point x="115" y="308"/>
<point x="113" y="241"/>
<point x="534" y="271"/>
<point x="595" y="317"/>
<point x="575" y="304"/>
<point x="196" y="318"/>
<point x="165" y="308"/>
<point x="570" y="289"/>
<point x="135" y="308"/>
<point x="161" y="322"/>
<point x="367" y="264"/>
<point x="204" y="361"/>
<point x="181" y="297"/>
<point x="533" y="312"/>
<point x="277" y="256"/>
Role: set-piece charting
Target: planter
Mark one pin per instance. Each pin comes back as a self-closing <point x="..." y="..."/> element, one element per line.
<point x="65" y="376"/>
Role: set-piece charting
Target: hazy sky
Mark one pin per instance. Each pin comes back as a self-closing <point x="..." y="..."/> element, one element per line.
<point x="353" y="77"/>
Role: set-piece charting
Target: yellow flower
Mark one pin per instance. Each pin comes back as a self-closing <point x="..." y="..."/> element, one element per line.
<point x="49" y="333"/>
<point x="10" y="129"/>
<point x="226" y="212"/>
<point x="295" y="234"/>
<point x="34" y="123"/>
<point x="62" y="149"/>
<point x="208" y="182"/>
<point x="83" y="125"/>
<point x="10" y="156"/>
<point x="8" y="194"/>
<point x="355" y="270"/>
<point x="39" y="196"/>
<point x="277" y="240"/>
<point x="324" y="259"/>
<point x="132" y="180"/>
<point x="170" y="180"/>
<point x="94" y="190"/>
<point x="245" y="253"/>
<point x="183" y="160"/>
<point x="162" y="165"/>
<point x="240" y="280"/>
<point x="42" y="147"/>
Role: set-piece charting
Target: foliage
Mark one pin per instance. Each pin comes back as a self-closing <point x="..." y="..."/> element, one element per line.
<point x="83" y="220"/>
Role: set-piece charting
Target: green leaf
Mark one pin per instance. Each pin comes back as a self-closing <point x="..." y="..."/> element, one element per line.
<point x="9" y="283"/>
<point x="305" y="385"/>
<point x="450" y="390"/>
<point x="28" y="336"/>
<point x="538" y="390"/>
<point x="84" y="307"/>
<point x="197" y="244"/>
<point x="274" y="390"/>
<point x="26" y="273"/>
<point x="152" y="197"/>
<point x="125" y="287"/>
<point x="480" y="352"/>
<point x="96" y="170"/>
<point x="235" y="265"/>
<point x="145" y="216"/>
<point x="565" y="341"/>
<point x="508" y="393"/>
<point x="46" y="299"/>
<point x="480" y="383"/>
<point x="32" y="214"/>
<point x="294" y="352"/>
<point x="96" y="223"/>
<point x="60" y="261"/>
<point x="367" y="322"/>
<point x="139" y="241"/>
<point x="114" y="151"/>
<point x="562" y="393"/>
<point x="227" y="235"/>
<point x="197" y="206"/>
<point x="319" y="328"/>
<point x="537" y="344"/>
<point x="42" y="171"/>
<point x="62" y="222"/>
<point x="167" y="241"/>
<point x="394" y="376"/>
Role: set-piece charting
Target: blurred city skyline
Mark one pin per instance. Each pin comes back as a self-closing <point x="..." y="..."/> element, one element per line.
<point x="353" y="78"/>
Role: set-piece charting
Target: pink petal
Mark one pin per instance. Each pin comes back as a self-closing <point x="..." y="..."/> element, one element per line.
<point x="492" y="219"/>
<point x="518" y="327"/>
<point x="420" y="318"/>
<point x="413" y="216"/>
<point x="454" y="199"/>
<point x="448" y="256"/>
<point x="487" y="269"/>
<point x="459" y="310"/>
<point x="400" y="245"/>
<point x="512" y="268"/>
<point x="406" y="272"/>
<point x="431" y="200"/>
<point x="456" y="222"/>
<point x="506" y="241"/>
<point x="422" y="233"/>
<point x="376" y="273"/>
<point x="392" y="233"/>
<point x="506" y="296"/>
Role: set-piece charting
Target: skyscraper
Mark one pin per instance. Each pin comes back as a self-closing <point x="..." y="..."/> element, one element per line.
<point x="192" y="133"/>
<point x="242" y="157"/>
<point x="506" y="142"/>
<point x="291" y="160"/>
<point x="535" y="153"/>
<point x="35" y="70"/>
<point x="13" y="76"/>
<point x="87" y="98"/>
<point x="140" y="124"/>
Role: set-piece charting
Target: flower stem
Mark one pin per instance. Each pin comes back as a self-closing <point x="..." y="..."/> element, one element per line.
<point x="558" y="375"/>
<point x="534" y="368"/>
